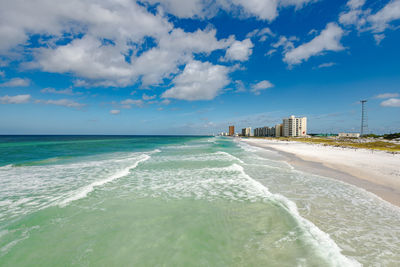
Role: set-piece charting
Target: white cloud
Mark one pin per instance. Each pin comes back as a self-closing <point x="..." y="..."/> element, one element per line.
<point x="16" y="82"/>
<point x="286" y="43"/>
<point x="105" y="19"/>
<point x="185" y="9"/>
<point x="378" y="38"/>
<point x="239" y="50"/>
<point x="61" y="102"/>
<point x="327" y="40"/>
<point x="382" y="19"/>
<point x="128" y="102"/>
<point x="239" y="87"/>
<point x="148" y="97"/>
<point x="392" y="102"/>
<point x="365" y="21"/>
<point x="354" y="15"/>
<point x="260" y="86"/>
<point x="261" y="9"/>
<point x="115" y="111"/>
<point x="355" y="3"/>
<point x="50" y="90"/>
<point x="326" y="65"/>
<point x="386" y="95"/>
<point x="2" y="74"/>
<point x="166" y="102"/>
<point x="87" y="58"/>
<point x="199" y="81"/>
<point x="18" y="99"/>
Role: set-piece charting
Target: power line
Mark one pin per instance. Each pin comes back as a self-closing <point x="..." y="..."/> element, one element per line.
<point x="364" y="118"/>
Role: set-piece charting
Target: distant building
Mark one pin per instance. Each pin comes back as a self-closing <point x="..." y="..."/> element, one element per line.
<point x="265" y="131"/>
<point x="231" y="130"/>
<point x="293" y="126"/>
<point x="278" y="130"/>
<point x="246" y="131"/>
<point x="354" y="135"/>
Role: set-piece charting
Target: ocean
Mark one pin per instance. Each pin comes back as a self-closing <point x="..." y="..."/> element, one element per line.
<point x="180" y="201"/>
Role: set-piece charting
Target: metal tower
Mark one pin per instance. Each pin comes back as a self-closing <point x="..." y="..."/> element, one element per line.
<point x="364" y="119"/>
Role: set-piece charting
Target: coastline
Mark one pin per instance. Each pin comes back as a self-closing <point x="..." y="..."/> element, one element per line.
<point x="374" y="171"/>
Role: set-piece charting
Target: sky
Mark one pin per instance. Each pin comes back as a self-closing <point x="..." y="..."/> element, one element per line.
<point x="197" y="66"/>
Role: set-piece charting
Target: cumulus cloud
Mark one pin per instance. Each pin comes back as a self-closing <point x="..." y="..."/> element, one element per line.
<point x="261" y="9"/>
<point x="115" y="111"/>
<point x="260" y="86"/>
<point x="327" y="40"/>
<point x="17" y="99"/>
<point x="61" y="102"/>
<point x="129" y="102"/>
<point x="239" y="50"/>
<point x="392" y="102"/>
<point x="354" y="15"/>
<point x="16" y="82"/>
<point x="386" y="95"/>
<point x="50" y="90"/>
<point x="364" y="20"/>
<point x="382" y="19"/>
<point x="148" y="97"/>
<point x="199" y="81"/>
<point x="106" y="19"/>
<point x="185" y="9"/>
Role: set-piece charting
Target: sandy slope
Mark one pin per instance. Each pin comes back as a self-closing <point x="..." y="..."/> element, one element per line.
<point x="375" y="171"/>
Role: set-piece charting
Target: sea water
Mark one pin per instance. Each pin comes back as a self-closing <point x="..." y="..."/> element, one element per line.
<point x="180" y="201"/>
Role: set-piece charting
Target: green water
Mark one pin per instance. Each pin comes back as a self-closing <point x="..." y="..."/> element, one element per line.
<point x="174" y="201"/>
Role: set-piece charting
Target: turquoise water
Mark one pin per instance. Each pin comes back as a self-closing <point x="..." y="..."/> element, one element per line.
<point x="180" y="201"/>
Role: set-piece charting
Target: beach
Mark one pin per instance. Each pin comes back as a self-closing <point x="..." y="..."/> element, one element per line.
<point x="375" y="171"/>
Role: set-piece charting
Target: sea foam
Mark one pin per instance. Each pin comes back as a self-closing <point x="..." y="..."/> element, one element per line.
<point x="84" y="191"/>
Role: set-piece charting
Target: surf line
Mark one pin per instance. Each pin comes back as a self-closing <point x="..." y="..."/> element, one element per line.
<point x="84" y="191"/>
<point x="312" y="235"/>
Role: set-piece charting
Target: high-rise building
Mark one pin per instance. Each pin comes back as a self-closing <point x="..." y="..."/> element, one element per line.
<point x="231" y="130"/>
<point x="278" y="130"/>
<point x="246" y="131"/>
<point x="293" y="126"/>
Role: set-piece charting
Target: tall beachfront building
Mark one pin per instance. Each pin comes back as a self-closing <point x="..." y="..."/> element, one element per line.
<point x="293" y="126"/>
<point x="278" y="130"/>
<point x="232" y="130"/>
<point x="246" y="131"/>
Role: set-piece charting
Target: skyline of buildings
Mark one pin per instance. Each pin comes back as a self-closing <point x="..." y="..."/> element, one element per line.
<point x="290" y="127"/>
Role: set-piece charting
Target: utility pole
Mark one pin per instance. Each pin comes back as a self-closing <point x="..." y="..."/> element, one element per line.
<point x="364" y="119"/>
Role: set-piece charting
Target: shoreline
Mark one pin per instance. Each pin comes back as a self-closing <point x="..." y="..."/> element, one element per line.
<point x="381" y="176"/>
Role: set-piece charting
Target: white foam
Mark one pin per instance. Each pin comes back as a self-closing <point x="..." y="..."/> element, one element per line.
<point x="82" y="192"/>
<point x="322" y="242"/>
<point x="229" y="156"/>
<point x="6" y="167"/>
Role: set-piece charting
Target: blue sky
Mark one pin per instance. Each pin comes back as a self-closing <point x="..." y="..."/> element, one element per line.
<point x="196" y="66"/>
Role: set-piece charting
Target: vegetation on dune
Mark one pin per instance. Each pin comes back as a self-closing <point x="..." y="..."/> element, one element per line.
<point x="346" y="142"/>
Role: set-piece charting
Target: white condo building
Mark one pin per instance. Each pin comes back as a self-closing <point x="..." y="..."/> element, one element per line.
<point x="293" y="126"/>
<point x="246" y="131"/>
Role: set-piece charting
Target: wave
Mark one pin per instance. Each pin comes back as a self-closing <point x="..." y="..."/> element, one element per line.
<point x="84" y="191"/>
<point x="229" y="156"/>
<point x="320" y="240"/>
<point x="6" y="167"/>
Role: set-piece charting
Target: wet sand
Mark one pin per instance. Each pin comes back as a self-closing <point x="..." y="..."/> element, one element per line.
<point x="376" y="172"/>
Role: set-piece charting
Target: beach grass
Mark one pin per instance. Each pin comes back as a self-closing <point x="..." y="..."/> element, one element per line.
<point x="347" y="142"/>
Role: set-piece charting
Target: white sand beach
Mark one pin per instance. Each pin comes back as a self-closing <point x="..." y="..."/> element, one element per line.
<point x="375" y="171"/>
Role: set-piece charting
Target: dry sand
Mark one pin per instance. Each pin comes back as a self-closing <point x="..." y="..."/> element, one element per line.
<point x="375" y="171"/>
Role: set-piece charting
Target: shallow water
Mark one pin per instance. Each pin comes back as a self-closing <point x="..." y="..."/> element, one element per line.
<point x="180" y="201"/>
